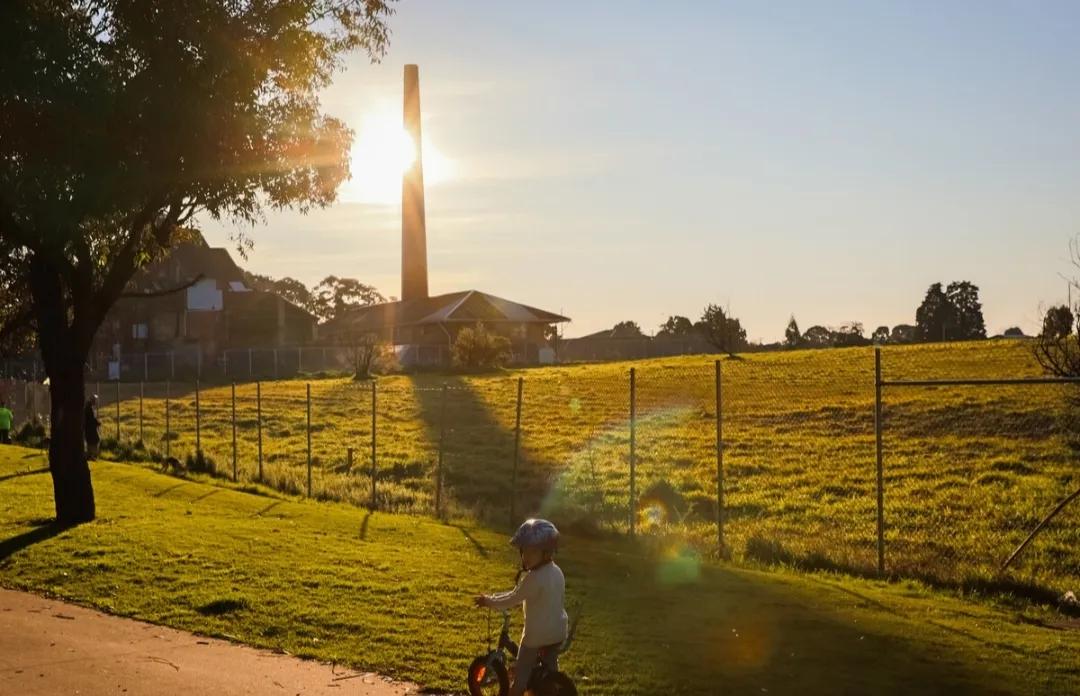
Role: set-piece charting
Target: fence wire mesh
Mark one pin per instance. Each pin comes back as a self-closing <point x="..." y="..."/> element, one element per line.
<point x="969" y="470"/>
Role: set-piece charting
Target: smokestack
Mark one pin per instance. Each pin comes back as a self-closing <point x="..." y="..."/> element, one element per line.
<point x="414" y="276"/>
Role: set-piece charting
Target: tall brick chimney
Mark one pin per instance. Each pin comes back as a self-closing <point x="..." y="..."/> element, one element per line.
<point x="414" y="275"/>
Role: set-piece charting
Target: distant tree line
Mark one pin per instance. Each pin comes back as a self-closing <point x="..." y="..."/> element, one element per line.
<point x="950" y="312"/>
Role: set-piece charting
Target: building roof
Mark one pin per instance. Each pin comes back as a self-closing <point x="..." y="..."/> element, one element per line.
<point x="186" y="262"/>
<point x="469" y="306"/>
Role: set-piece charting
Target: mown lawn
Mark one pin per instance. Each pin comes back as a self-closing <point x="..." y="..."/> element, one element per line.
<point x="968" y="471"/>
<point x="392" y="593"/>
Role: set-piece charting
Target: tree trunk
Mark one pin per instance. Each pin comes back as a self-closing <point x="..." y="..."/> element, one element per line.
<point x="72" y="488"/>
<point x="64" y="348"/>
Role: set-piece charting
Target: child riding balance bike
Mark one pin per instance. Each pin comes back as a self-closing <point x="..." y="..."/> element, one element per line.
<point x="540" y="589"/>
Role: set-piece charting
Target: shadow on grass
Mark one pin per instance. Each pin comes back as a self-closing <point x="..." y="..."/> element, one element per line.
<point x="478" y="453"/>
<point x="768" y="552"/>
<point x="691" y="632"/>
<point x="43" y="470"/>
<point x="43" y="530"/>
<point x="472" y="540"/>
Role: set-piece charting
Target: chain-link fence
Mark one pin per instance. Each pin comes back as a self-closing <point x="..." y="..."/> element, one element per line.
<point x="935" y="462"/>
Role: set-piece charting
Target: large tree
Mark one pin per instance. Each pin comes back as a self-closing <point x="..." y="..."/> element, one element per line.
<point x="792" y="336"/>
<point x="935" y="317"/>
<point x="121" y="120"/>
<point x="676" y="326"/>
<point x="967" y="311"/>
<point x="334" y="296"/>
<point x="723" y="331"/>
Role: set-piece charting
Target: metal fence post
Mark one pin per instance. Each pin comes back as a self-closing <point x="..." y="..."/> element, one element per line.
<point x="880" y="469"/>
<point x="168" y="433"/>
<point x="251" y="366"/>
<point x="442" y="446"/>
<point x="142" y="394"/>
<point x="198" y="419"/>
<point x="633" y="451"/>
<point x="275" y="364"/>
<point x="235" y="476"/>
<point x="374" y="440"/>
<point x="517" y="453"/>
<point x="258" y="423"/>
<point x="309" y="440"/>
<point x="118" y="412"/>
<point x="719" y="461"/>
<point x="172" y="364"/>
<point x="145" y="366"/>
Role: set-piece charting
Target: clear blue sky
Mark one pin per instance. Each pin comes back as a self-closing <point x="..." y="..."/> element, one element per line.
<point x="630" y="160"/>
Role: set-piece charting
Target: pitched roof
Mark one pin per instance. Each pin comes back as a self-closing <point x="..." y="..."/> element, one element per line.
<point x="468" y="306"/>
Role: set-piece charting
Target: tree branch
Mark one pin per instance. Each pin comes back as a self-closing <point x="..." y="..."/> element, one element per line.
<point x="162" y="293"/>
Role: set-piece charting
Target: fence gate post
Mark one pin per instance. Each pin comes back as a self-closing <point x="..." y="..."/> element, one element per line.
<point x="719" y="462"/>
<point x="309" y="440"/>
<point x="442" y="446"/>
<point x="198" y="420"/>
<point x="374" y="440"/>
<point x="168" y="432"/>
<point x="880" y="470"/>
<point x="258" y="423"/>
<point x="517" y="453"/>
<point x="235" y="476"/>
<point x="633" y="451"/>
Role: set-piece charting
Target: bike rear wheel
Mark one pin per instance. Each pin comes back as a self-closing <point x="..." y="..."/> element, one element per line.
<point x="488" y="680"/>
<point x="554" y="684"/>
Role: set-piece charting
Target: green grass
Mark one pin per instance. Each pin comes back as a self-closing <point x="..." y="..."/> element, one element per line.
<point x="392" y="593"/>
<point x="968" y="471"/>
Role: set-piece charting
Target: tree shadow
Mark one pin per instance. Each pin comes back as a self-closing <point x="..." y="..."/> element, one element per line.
<point x="39" y="533"/>
<point x="702" y="626"/>
<point x="478" y="448"/>
<point x="364" y="525"/>
<point x="43" y="470"/>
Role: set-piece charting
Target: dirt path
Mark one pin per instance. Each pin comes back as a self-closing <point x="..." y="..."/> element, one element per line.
<point x="48" y="647"/>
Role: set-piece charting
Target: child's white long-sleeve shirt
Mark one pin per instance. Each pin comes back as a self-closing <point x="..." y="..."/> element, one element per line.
<point x="541" y="590"/>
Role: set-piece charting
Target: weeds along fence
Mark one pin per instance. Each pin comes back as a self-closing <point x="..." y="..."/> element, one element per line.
<point x="933" y="462"/>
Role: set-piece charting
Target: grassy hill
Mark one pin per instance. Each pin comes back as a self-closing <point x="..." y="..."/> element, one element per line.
<point x="968" y="470"/>
<point x="392" y="593"/>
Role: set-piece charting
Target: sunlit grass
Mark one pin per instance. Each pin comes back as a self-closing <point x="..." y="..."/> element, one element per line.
<point x="391" y="593"/>
<point x="968" y="471"/>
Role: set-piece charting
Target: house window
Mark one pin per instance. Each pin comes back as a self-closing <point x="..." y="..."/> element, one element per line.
<point x="140" y="331"/>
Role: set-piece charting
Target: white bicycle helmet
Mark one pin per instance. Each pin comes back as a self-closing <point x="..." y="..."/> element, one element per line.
<point x="537" y="533"/>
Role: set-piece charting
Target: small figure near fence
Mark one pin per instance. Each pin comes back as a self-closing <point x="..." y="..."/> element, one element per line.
<point x="6" y="421"/>
<point x="541" y="590"/>
<point x="91" y="428"/>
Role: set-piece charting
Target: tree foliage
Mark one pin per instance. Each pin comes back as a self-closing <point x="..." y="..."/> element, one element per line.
<point x="723" y="332"/>
<point x="950" y="314"/>
<point x="792" y="337"/>
<point x="676" y="326"/>
<point x="289" y="288"/>
<point x="880" y="336"/>
<point x="627" y="329"/>
<point x="334" y="296"/>
<point x="480" y="349"/>
<point x="122" y="121"/>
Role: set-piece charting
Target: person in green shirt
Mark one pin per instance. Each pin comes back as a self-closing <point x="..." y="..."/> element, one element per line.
<point x="6" y="419"/>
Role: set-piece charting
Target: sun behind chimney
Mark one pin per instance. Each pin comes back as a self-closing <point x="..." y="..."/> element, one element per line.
<point x="414" y="275"/>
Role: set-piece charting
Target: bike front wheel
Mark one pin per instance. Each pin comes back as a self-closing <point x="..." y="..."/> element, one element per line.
<point x="554" y="684"/>
<point x="488" y="679"/>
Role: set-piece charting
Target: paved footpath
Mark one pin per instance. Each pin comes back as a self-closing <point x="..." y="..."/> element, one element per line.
<point x="50" y="648"/>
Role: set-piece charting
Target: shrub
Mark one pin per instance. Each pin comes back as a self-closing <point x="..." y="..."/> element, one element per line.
<point x="479" y="349"/>
<point x="200" y="463"/>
